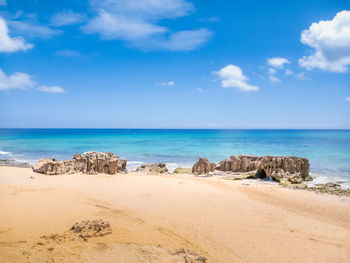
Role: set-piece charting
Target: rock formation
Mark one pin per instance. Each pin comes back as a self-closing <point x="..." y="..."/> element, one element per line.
<point x="152" y="168"/>
<point x="203" y="166"/>
<point x="89" y="162"/>
<point x="291" y="168"/>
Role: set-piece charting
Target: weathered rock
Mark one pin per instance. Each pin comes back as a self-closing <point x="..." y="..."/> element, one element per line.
<point x="91" y="228"/>
<point x="180" y="170"/>
<point x="153" y="168"/>
<point x="291" y="168"/>
<point x="203" y="166"/>
<point x="89" y="162"/>
<point x="239" y="163"/>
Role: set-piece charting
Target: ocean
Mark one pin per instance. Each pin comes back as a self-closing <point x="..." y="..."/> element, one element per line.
<point x="327" y="150"/>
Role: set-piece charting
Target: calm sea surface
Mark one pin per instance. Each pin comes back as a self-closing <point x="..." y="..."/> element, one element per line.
<point x="327" y="150"/>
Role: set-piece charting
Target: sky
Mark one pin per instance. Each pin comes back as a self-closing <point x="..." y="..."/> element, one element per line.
<point x="175" y="64"/>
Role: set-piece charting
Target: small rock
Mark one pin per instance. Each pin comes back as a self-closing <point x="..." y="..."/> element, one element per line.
<point x="180" y="170"/>
<point x="153" y="168"/>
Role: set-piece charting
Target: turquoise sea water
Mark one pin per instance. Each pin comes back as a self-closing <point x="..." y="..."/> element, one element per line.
<point x="327" y="150"/>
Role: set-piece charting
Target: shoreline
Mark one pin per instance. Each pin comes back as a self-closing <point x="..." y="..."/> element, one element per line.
<point x="168" y="217"/>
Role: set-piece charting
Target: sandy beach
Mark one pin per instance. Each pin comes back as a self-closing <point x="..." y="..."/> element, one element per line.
<point x="157" y="218"/>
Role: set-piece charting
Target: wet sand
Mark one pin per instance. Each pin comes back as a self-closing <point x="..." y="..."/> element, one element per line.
<point x="167" y="218"/>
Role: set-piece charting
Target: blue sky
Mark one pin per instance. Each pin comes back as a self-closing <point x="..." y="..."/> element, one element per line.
<point x="175" y="64"/>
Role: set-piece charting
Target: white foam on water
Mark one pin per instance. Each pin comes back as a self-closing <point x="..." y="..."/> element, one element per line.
<point x="6" y="153"/>
<point x="323" y="179"/>
<point x="132" y="165"/>
<point x="135" y="162"/>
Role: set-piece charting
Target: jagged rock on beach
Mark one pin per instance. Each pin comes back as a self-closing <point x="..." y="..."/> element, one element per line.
<point x="291" y="168"/>
<point x="203" y="166"/>
<point x="153" y="168"/>
<point x="89" y="162"/>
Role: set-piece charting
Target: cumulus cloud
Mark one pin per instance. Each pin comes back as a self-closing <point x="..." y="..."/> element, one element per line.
<point x="52" y="89"/>
<point x="347" y="99"/>
<point x="166" y="83"/>
<point x="137" y="23"/>
<point x="330" y="41"/>
<point x="200" y="90"/>
<point x="24" y="81"/>
<point x="11" y="44"/>
<point x="232" y="76"/>
<point x="277" y="62"/>
<point x="274" y="79"/>
<point x="65" y="18"/>
<point x="17" y="80"/>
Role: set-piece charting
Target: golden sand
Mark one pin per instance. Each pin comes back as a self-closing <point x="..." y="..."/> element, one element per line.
<point x="166" y="218"/>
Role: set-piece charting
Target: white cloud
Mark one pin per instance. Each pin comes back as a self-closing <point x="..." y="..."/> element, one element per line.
<point x="277" y="62"/>
<point x="200" y="90"/>
<point x="23" y="81"/>
<point x="137" y="23"/>
<point x="147" y="9"/>
<point x="52" y="89"/>
<point x="166" y="83"/>
<point x="347" y="99"/>
<point x="272" y="71"/>
<point x="11" y="44"/>
<point x="232" y="76"/>
<point x="65" y="18"/>
<point x="330" y="41"/>
<point x="212" y="124"/>
<point x="289" y="72"/>
<point x="32" y="28"/>
<point x="302" y="76"/>
<point x="274" y="79"/>
<point x="183" y="40"/>
<point x="116" y="26"/>
<point x="17" y="80"/>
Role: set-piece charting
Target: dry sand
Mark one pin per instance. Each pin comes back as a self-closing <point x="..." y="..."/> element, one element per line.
<point x="153" y="217"/>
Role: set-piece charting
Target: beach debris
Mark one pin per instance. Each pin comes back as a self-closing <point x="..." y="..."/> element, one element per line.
<point x="153" y="168"/>
<point x="203" y="166"/>
<point x="190" y="256"/>
<point x="89" y="162"/>
<point x="180" y="170"/>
